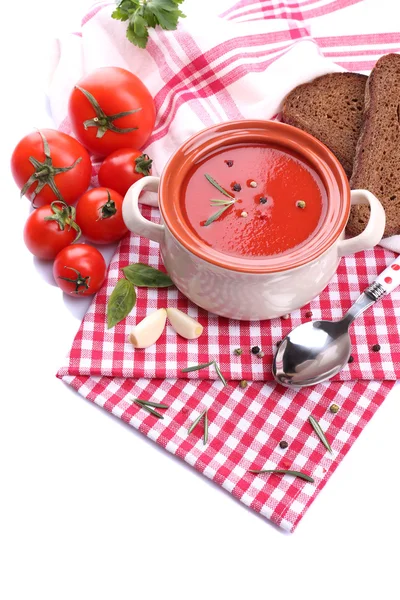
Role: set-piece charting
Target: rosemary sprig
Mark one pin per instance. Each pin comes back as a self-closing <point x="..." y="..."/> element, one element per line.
<point x="203" y="366"/>
<point x="205" y="434"/>
<point x="147" y="406"/>
<point x="153" y="404"/>
<point x="222" y="202"/>
<point x="197" y="367"/>
<point x="204" y="416"/>
<point x="318" y="430"/>
<point x="216" y="185"/>
<point x="216" y="216"/>
<point x="222" y="378"/>
<point x="298" y="474"/>
<point x="197" y="421"/>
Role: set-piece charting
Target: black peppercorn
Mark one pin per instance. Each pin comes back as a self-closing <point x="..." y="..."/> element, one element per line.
<point x="351" y="359"/>
<point x="255" y="350"/>
<point x="263" y="200"/>
<point x="229" y="163"/>
<point x="236" y="187"/>
<point x="376" y="348"/>
<point x="283" y="444"/>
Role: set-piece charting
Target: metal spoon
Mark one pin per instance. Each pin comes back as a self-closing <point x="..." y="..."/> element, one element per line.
<point x="318" y="350"/>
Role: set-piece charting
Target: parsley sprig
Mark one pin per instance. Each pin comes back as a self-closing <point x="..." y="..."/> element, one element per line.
<point x="143" y="14"/>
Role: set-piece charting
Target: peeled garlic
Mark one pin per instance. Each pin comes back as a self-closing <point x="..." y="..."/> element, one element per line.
<point x="149" y="329"/>
<point x="186" y="326"/>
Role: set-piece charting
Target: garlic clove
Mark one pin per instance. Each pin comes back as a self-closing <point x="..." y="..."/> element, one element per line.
<point x="184" y="325"/>
<point x="147" y="332"/>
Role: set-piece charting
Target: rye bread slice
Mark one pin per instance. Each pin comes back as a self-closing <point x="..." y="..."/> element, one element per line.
<point x="377" y="160"/>
<point x="330" y="108"/>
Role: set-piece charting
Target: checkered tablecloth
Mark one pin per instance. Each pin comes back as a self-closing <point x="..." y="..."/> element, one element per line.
<point x="198" y="78"/>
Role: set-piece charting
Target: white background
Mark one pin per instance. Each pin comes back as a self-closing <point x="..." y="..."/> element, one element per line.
<point x="92" y="510"/>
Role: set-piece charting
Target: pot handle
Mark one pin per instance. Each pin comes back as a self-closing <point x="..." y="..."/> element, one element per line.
<point x="131" y="214"/>
<point x="372" y="234"/>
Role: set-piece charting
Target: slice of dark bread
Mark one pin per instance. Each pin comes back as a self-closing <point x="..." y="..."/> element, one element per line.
<point x="377" y="160"/>
<point x="330" y="108"/>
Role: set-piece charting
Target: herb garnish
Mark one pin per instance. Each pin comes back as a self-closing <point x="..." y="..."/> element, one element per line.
<point x="143" y="275"/>
<point x="204" y="366"/>
<point x="150" y="406"/>
<point x="220" y="202"/>
<point x="298" y="474"/>
<point x="318" y="430"/>
<point x="123" y="296"/>
<point x="121" y="302"/>
<point x="203" y="415"/>
<point x="224" y="203"/>
<point x="216" y="185"/>
<point x="198" y="367"/>
<point x="215" y="216"/>
<point x="222" y="378"/>
<point x="205" y="435"/>
<point x="145" y="14"/>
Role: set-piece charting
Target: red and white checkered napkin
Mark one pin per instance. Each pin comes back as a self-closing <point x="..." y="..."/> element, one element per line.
<point x="245" y="426"/>
<point x="237" y="65"/>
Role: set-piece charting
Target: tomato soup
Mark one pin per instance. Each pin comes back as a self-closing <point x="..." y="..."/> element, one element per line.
<point x="273" y="201"/>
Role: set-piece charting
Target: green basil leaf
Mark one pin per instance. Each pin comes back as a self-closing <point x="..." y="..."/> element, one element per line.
<point x="145" y="276"/>
<point x="121" y="302"/>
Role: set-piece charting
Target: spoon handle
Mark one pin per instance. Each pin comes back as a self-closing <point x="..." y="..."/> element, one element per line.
<point x="389" y="279"/>
<point x="385" y="283"/>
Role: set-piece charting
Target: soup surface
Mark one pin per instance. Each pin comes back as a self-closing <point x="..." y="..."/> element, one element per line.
<point x="276" y="201"/>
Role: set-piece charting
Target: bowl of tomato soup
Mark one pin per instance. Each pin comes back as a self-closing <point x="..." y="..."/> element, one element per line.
<point x="253" y="215"/>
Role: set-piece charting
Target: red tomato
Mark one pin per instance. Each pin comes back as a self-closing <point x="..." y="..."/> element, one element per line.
<point x="62" y="169"/>
<point x="99" y="215"/>
<point x="49" y="229"/>
<point x="79" y="270"/>
<point x="96" y="103"/>
<point x="122" y="168"/>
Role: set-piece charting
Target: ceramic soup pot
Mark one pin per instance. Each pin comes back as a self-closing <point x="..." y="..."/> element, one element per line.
<point x="284" y="200"/>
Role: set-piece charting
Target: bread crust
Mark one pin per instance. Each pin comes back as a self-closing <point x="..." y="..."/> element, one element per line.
<point x="330" y="108"/>
<point x="377" y="159"/>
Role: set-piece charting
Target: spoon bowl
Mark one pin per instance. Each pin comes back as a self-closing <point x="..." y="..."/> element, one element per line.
<point x="312" y="353"/>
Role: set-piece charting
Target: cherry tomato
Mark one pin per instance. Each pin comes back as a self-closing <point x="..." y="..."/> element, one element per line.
<point x="110" y="109"/>
<point x="122" y="168"/>
<point x="79" y="270"/>
<point x="49" y="229"/>
<point x="61" y="169"/>
<point x="99" y="215"/>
